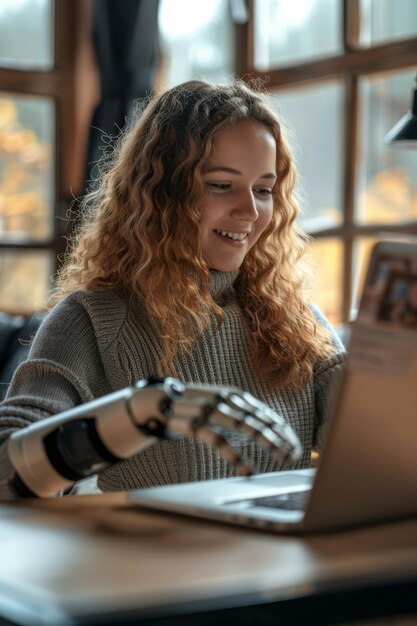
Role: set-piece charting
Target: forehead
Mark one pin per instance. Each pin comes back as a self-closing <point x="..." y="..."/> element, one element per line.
<point x="242" y="140"/>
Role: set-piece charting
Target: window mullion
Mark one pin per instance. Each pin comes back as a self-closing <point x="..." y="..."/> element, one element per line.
<point x="349" y="186"/>
<point x="351" y="24"/>
<point x="244" y="40"/>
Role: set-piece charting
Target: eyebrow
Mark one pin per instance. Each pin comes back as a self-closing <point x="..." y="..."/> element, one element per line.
<point x="231" y="170"/>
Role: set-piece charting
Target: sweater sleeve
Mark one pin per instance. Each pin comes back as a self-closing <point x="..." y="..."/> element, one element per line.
<point x="327" y="378"/>
<point x="64" y="368"/>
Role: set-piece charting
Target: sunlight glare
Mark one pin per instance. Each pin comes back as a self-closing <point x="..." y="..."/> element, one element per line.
<point x="294" y="13"/>
<point x="179" y="18"/>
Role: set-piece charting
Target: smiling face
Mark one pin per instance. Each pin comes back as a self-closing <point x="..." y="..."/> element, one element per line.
<point x="238" y="205"/>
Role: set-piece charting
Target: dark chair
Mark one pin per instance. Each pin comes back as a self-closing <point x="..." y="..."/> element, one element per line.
<point x="16" y="334"/>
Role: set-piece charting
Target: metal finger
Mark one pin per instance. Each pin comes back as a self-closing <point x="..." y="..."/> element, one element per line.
<point x="280" y="438"/>
<point x="279" y="446"/>
<point x="205" y="434"/>
<point x="209" y="392"/>
<point x="248" y="404"/>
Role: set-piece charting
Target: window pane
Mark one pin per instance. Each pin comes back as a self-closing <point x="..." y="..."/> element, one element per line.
<point x="26" y="170"/>
<point x="387" y="180"/>
<point x="25" y="280"/>
<point x="387" y="20"/>
<point x="326" y="256"/>
<point x="313" y="118"/>
<point x="26" y="34"/>
<point x="292" y="31"/>
<point x="196" y="39"/>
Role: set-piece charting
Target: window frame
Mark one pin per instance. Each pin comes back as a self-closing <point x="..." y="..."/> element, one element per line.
<point x="348" y="67"/>
<point x="72" y="83"/>
<point x="73" y="106"/>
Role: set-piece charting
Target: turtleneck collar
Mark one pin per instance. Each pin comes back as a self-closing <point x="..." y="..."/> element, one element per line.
<point x="221" y="281"/>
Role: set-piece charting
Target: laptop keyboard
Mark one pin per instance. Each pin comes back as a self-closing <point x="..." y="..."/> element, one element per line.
<point x="292" y="501"/>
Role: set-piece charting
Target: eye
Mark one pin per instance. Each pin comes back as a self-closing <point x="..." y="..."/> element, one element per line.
<point x="219" y="186"/>
<point x="263" y="191"/>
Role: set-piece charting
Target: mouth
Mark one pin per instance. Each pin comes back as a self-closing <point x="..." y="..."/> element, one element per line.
<point x="230" y="235"/>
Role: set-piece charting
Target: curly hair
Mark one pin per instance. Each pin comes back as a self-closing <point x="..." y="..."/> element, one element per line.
<point x="131" y="240"/>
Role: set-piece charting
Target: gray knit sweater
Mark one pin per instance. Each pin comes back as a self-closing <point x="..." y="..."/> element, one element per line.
<point x="93" y="343"/>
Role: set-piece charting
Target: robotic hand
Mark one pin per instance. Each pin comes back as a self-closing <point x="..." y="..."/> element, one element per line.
<point x="52" y="454"/>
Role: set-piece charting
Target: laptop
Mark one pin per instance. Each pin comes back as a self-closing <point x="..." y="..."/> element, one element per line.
<point x="367" y="470"/>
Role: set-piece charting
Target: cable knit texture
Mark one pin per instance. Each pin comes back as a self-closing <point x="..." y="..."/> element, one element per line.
<point x="93" y="343"/>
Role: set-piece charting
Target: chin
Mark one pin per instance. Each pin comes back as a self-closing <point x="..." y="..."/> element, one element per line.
<point x="224" y="263"/>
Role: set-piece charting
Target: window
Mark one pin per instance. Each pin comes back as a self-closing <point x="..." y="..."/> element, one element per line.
<point x="26" y="34"/>
<point x="316" y="140"/>
<point x="387" y="176"/>
<point x="340" y="74"/>
<point x="382" y="21"/>
<point x="196" y="40"/>
<point x="42" y="44"/>
<point x="286" y="33"/>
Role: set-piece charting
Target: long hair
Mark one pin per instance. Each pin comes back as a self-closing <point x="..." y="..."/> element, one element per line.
<point x="140" y="235"/>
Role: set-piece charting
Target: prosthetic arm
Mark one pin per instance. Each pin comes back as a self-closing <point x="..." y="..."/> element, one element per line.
<point x="52" y="454"/>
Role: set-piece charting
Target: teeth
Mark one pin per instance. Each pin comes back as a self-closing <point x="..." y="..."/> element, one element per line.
<point x="231" y="235"/>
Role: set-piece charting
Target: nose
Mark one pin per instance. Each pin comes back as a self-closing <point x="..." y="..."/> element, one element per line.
<point x="246" y="209"/>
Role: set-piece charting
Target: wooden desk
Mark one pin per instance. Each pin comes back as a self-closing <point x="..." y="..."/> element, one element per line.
<point x="88" y="560"/>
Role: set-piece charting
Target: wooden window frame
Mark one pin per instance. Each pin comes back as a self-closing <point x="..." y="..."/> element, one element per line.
<point x="72" y="85"/>
<point x="348" y="67"/>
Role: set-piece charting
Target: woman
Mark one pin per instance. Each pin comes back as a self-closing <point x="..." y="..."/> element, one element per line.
<point x="187" y="264"/>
